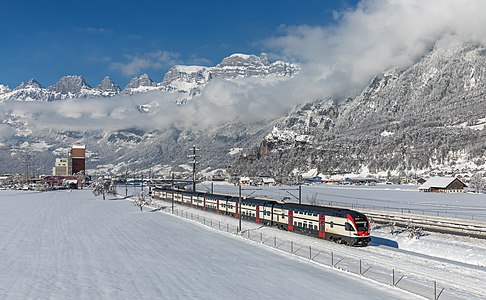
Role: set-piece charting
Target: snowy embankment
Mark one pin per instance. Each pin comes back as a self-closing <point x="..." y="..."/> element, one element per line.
<point x="71" y="245"/>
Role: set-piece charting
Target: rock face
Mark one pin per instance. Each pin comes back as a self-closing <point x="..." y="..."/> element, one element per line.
<point x="70" y="85"/>
<point x="241" y="65"/>
<point x="108" y="88"/>
<point x="140" y="84"/>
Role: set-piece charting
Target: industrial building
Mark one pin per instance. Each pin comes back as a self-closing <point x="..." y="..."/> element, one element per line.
<point x="74" y="164"/>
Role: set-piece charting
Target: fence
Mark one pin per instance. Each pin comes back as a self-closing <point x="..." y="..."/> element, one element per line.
<point x="394" y="277"/>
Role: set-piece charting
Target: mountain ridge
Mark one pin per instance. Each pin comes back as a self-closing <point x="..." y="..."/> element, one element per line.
<point x="181" y="78"/>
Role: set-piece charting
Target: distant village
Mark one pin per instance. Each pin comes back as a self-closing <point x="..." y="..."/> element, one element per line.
<point x="70" y="173"/>
<point x="67" y="172"/>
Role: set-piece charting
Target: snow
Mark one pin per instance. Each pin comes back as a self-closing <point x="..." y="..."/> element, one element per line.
<point x="243" y="56"/>
<point x="387" y="133"/>
<point x="437" y="182"/>
<point x="69" y="244"/>
<point x="189" y="69"/>
<point x="234" y="151"/>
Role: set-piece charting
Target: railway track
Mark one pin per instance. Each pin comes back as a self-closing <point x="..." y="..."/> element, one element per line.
<point x="475" y="229"/>
<point x="472" y="228"/>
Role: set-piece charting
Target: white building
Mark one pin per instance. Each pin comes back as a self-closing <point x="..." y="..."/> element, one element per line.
<point x="61" y="167"/>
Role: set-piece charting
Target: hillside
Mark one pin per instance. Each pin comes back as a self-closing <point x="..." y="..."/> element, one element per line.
<point x="430" y="115"/>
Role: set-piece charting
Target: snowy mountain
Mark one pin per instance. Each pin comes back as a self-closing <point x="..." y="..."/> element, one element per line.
<point x="108" y="88"/>
<point x="189" y="80"/>
<point x="140" y="84"/>
<point x="427" y="116"/>
<point x="192" y="79"/>
<point x="67" y="87"/>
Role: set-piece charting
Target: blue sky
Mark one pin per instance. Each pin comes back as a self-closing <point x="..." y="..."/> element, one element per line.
<point x="48" y="39"/>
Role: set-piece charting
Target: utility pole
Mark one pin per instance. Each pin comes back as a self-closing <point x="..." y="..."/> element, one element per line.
<point x="239" y="208"/>
<point x="150" y="182"/>
<point x="194" y="162"/>
<point x="126" y="183"/>
<point x="300" y="194"/>
<point x="172" y="188"/>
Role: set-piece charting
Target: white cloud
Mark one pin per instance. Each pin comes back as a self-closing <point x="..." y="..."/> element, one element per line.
<point x="136" y="64"/>
<point x="340" y="60"/>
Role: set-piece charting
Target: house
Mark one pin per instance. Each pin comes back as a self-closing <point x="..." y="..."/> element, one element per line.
<point x="315" y="179"/>
<point x="245" y="180"/>
<point x="267" y="181"/>
<point x="443" y="185"/>
<point x="360" y="181"/>
<point x="421" y="180"/>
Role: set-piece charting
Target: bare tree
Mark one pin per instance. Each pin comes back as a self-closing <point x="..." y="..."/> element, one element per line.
<point x="142" y="200"/>
<point x="104" y="186"/>
<point x="392" y="226"/>
<point x="414" y="231"/>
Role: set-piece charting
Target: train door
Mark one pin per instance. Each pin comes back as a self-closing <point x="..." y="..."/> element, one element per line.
<point x="322" y="226"/>
<point x="290" y="226"/>
<point x="257" y="214"/>
<point x="217" y="206"/>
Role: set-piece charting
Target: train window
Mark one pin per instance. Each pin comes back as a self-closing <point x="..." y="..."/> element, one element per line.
<point x="362" y="226"/>
<point x="305" y="225"/>
<point x="315" y="227"/>
<point x="300" y="224"/>
<point x="348" y="227"/>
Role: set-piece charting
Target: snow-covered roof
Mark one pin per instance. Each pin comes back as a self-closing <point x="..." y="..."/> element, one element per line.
<point x="437" y="182"/>
<point x="268" y="179"/>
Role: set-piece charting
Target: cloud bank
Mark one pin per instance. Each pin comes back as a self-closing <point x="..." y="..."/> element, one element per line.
<point x="337" y="60"/>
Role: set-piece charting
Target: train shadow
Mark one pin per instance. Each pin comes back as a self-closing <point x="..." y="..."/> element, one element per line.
<point x="378" y="241"/>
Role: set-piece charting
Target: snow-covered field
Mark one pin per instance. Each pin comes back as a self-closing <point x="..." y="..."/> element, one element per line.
<point x="71" y="245"/>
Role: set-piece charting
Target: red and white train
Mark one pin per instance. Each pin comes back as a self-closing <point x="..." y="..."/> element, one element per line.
<point x="335" y="224"/>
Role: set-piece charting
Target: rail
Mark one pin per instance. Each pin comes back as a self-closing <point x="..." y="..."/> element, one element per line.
<point x="429" y="223"/>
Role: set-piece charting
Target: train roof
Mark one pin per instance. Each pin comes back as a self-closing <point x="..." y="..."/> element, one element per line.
<point x="328" y="210"/>
<point x="314" y="209"/>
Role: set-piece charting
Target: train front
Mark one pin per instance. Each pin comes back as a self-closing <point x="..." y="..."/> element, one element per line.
<point x="361" y="227"/>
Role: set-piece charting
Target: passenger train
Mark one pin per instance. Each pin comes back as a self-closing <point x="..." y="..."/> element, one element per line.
<point x="335" y="224"/>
